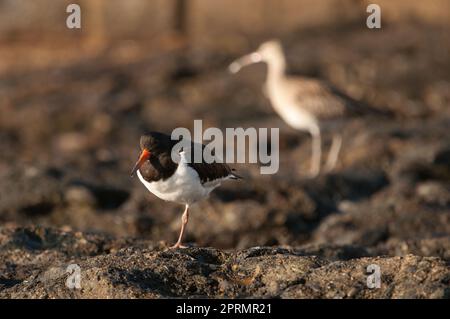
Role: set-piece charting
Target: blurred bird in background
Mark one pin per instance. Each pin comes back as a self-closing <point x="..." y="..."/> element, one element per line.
<point x="304" y="103"/>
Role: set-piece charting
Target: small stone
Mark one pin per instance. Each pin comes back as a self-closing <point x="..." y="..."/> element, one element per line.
<point x="433" y="193"/>
<point x="80" y="196"/>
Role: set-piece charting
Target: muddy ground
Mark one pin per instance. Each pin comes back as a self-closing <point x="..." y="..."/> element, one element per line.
<point x="69" y="130"/>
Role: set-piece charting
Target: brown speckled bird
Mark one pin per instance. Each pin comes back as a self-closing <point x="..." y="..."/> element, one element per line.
<point x="303" y="102"/>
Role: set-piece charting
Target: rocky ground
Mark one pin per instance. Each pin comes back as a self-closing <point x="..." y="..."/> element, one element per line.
<point x="37" y="261"/>
<point x="68" y="139"/>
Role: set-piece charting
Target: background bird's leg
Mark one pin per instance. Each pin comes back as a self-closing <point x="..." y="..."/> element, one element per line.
<point x="334" y="152"/>
<point x="184" y="221"/>
<point x="316" y="152"/>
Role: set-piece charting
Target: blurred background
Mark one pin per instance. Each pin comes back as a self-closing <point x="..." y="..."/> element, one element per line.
<point x="73" y="104"/>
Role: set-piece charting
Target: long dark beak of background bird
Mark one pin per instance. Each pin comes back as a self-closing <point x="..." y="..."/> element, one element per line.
<point x="142" y="158"/>
<point x="254" y="57"/>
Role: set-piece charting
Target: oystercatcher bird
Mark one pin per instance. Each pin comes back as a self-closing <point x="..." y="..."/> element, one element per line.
<point x="302" y="102"/>
<point x="183" y="182"/>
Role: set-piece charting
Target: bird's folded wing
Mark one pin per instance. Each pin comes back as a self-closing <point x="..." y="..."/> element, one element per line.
<point x="325" y="101"/>
<point x="207" y="171"/>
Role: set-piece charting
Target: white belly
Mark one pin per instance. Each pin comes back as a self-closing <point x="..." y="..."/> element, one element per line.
<point x="288" y="109"/>
<point x="294" y="117"/>
<point x="182" y="187"/>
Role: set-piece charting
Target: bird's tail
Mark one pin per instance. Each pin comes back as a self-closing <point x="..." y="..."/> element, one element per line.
<point x="233" y="175"/>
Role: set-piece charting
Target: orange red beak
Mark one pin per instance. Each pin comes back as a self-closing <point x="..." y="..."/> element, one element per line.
<point x="145" y="155"/>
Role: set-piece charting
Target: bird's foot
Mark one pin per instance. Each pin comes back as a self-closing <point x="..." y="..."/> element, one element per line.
<point x="328" y="169"/>
<point x="311" y="174"/>
<point x="177" y="245"/>
<point x="307" y="175"/>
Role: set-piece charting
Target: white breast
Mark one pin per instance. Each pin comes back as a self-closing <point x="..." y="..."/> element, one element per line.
<point x="182" y="187"/>
<point x="285" y="104"/>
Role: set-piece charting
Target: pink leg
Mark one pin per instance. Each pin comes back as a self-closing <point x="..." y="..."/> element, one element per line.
<point x="184" y="221"/>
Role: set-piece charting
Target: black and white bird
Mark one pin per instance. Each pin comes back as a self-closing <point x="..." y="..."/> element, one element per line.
<point x="302" y="102"/>
<point x="183" y="182"/>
